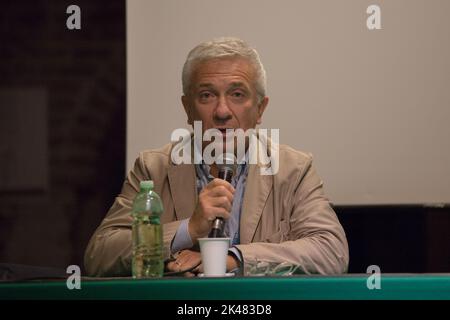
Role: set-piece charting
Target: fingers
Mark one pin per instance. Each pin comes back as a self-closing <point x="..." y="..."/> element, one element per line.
<point x="199" y="269"/>
<point x="217" y="195"/>
<point x="215" y="200"/>
<point x="174" y="266"/>
<point x="222" y="202"/>
<point x="186" y="260"/>
<point x="189" y="274"/>
<point x="221" y="192"/>
<point x="216" y="212"/>
<point x="215" y="206"/>
<point x="189" y="258"/>
<point x="221" y="183"/>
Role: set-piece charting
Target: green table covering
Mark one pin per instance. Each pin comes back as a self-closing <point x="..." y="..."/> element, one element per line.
<point x="346" y="287"/>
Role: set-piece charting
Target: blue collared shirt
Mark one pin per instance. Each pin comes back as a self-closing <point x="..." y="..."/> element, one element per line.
<point x="182" y="239"/>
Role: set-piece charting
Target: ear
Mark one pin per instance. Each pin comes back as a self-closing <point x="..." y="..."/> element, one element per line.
<point x="261" y="108"/>
<point x="187" y="109"/>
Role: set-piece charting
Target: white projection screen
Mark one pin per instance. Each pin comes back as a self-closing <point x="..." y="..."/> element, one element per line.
<point x="372" y="106"/>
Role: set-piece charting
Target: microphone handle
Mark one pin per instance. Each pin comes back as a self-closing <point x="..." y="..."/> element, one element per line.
<point x="217" y="227"/>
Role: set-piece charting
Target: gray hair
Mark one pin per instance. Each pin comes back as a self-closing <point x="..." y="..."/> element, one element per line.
<point x="224" y="48"/>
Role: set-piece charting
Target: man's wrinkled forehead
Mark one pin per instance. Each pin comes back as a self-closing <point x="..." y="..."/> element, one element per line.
<point x="230" y="86"/>
<point x="237" y="67"/>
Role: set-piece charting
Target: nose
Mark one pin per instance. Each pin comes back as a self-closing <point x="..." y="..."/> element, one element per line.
<point x="222" y="111"/>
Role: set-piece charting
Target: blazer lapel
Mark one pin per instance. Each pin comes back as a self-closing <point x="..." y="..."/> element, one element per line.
<point x="257" y="191"/>
<point x="183" y="188"/>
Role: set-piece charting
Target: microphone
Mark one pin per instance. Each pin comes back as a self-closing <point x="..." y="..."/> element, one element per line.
<point x="226" y="172"/>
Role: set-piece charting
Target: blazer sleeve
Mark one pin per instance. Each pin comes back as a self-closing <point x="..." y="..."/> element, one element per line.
<point x="315" y="240"/>
<point x="109" y="250"/>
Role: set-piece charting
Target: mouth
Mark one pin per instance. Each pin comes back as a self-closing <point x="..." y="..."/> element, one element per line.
<point x="224" y="131"/>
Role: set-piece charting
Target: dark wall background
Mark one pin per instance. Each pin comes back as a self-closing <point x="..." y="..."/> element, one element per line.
<point x="397" y="238"/>
<point x="84" y="75"/>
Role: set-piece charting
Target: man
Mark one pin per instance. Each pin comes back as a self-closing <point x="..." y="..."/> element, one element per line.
<point x="283" y="217"/>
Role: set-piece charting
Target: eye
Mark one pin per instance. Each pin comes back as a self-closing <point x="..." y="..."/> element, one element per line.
<point x="238" y="94"/>
<point x="205" y="95"/>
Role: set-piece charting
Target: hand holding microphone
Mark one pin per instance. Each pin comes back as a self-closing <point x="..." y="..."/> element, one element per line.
<point x="226" y="172"/>
<point x="215" y="201"/>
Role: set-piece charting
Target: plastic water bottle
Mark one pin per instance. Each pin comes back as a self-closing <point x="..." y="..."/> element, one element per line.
<point x="147" y="233"/>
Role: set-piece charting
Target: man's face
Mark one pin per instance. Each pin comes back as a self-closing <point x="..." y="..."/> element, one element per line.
<point x="223" y="95"/>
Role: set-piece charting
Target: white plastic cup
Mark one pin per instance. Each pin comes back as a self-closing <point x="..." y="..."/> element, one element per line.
<point x="214" y="253"/>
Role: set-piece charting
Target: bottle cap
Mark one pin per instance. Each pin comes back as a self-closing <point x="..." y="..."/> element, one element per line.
<point x="146" y="184"/>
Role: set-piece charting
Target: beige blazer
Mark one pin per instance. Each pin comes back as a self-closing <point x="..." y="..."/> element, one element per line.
<point x="285" y="217"/>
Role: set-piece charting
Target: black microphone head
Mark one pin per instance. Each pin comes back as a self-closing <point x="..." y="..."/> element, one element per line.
<point x="226" y="161"/>
<point x="226" y="164"/>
